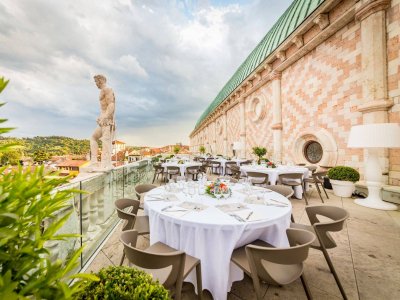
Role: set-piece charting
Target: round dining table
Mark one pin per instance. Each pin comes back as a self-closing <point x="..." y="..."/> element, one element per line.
<point x="273" y="174"/>
<point x="210" y="229"/>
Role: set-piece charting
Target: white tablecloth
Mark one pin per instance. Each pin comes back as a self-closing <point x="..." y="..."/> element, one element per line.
<point x="182" y="167"/>
<point x="273" y="174"/>
<point x="211" y="235"/>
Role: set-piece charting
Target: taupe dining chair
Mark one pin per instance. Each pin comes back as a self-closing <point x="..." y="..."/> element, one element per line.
<point x="276" y="266"/>
<point x="228" y="165"/>
<point x="215" y="167"/>
<point x="246" y="162"/>
<point x="324" y="240"/>
<point x="235" y="171"/>
<point x="141" y="189"/>
<point x="193" y="171"/>
<point x="317" y="179"/>
<point x="292" y="180"/>
<point x="258" y="178"/>
<point x="158" y="170"/>
<point x="172" y="172"/>
<point x="127" y="210"/>
<point x="285" y="191"/>
<point x="164" y="263"/>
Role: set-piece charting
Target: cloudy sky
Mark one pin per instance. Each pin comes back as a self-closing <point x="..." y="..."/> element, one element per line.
<point x="165" y="60"/>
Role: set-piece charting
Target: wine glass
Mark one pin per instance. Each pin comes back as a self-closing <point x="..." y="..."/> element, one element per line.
<point x="191" y="190"/>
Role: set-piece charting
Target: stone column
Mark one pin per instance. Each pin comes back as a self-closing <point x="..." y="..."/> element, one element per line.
<point x="242" y="114"/>
<point x="277" y="115"/>
<point x="225" y="124"/>
<point x="215" y="138"/>
<point x="375" y="106"/>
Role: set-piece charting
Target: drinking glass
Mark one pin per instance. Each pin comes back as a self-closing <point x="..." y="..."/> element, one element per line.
<point x="191" y="190"/>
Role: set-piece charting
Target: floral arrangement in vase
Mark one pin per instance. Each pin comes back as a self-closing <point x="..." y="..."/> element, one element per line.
<point x="218" y="189"/>
<point x="270" y="164"/>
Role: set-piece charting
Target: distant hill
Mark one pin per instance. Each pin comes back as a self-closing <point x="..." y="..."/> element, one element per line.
<point x="50" y="145"/>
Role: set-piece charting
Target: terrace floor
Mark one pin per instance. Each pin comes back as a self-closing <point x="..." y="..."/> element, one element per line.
<point x="367" y="258"/>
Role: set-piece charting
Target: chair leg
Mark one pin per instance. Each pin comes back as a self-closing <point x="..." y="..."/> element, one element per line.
<point x="305" y="286"/>
<point x="122" y="258"/>
<point x="326" y="194"/>
<point x="305" y="196"/>
<point x="292" y="218"/>
<point x="330" y="264"/>
<point x="319" y="192"/>
<point x="199" y="282"/>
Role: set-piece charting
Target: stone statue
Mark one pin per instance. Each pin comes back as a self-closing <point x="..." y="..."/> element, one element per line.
<point x="106" y="125"/>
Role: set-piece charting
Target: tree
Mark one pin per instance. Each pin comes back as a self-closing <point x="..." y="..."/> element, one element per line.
<point x="40" y="156"/>
<point x="202" y="149"/>
<point x="260" y="152"/>
<point x="11" y="157"/>
<point x="177" y="149"/>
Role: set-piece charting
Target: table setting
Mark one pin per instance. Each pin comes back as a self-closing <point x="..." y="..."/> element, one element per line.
<point x="216" y="214"/>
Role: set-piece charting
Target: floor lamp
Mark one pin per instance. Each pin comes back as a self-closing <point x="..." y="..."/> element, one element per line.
<point x="373" y="137"/>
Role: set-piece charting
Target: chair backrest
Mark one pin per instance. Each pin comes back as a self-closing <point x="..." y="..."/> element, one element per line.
<point x="246" y="162"/>
<point x="290" y="176"/>
<point x="140" y="189"/>
<point x="193" y="169"/>
<point x="215" y="163"/>
<point x="257" y="176"/>
<point x="201" y="159"/>
<point x="127" y="210"/>
<point x="155" y="261"/>
<point x="228" y="164"/>
<point x="158" y="169"/>
<point x="261" y="257"/>
<point x="337" y="215"/>
<point x="319" y="176"/>
<point x="173" y="170"/>
<point x="311" y="168"/>
<point x="281" y="189"/>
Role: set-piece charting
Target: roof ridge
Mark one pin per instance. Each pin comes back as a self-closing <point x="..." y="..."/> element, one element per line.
<point x="283" y="28"/>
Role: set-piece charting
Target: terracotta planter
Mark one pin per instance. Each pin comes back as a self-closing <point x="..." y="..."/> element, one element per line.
<point x="343" y="188"/>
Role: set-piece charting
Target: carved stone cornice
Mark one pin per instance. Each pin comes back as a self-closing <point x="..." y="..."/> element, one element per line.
<point x="275" y="75"/>
<point x="277" y="126"/>
<point x="298" y="41"/>
<point x="322" y="20"/>
<point x="281" y="55"/>
<point x="370" y="7"/>
<point x="376" y="105"/>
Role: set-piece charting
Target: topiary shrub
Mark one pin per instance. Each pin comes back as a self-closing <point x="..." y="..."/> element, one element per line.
<point x="344" y="173"/>
<point x="124" y="283"/>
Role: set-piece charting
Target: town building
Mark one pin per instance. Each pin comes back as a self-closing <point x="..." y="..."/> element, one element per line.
<point x="71" y="167"/>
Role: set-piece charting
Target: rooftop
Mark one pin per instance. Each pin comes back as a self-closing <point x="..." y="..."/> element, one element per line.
<point x="367" y="258"/>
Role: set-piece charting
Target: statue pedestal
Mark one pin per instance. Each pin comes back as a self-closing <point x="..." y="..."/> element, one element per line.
<point x="95" y="168"/>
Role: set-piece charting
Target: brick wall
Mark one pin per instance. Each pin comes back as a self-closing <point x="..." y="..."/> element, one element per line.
<point x="323" y="89"/>
<point x="259" y="120"/>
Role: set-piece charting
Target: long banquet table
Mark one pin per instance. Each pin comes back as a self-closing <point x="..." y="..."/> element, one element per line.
<point x="182" y="167"/>
<point x="273" y="174"/>
<point x="211" y="234"/>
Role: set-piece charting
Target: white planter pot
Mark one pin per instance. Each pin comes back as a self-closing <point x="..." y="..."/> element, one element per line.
<point x="342" y="188"/>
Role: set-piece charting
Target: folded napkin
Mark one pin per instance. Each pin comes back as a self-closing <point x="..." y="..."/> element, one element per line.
<point x="231" y="207"/>
<point x="193" y="206"/>
<point x="162" y="197"/>
<point x="274" y="202"/>
<point x="249" y="215"/>
<point x="255" y="199"/>
<point x="175" y="211"/>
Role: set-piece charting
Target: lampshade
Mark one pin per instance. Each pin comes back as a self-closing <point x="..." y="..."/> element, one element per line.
<point x="380" y="135"/>
<point x="237" y="146"/>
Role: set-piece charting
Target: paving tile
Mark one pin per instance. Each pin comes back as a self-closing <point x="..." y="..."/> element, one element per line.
<point x="373" y="287"/>
<point x="244" y="289"/>
<point x="99" y="262"/>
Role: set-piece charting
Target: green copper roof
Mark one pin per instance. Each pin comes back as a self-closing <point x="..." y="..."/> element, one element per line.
<point x="296" y="13"/>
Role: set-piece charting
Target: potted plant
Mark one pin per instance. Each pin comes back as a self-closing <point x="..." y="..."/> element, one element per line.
<point x="342" y="179"/>
<point x="260" y="152"/>
<point x="202" y="149"/>
<point x="124" y="283"/>
<point x="177" y="149"/>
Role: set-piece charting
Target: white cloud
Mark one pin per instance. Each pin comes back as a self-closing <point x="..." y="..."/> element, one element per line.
<point x="165" y="60"/>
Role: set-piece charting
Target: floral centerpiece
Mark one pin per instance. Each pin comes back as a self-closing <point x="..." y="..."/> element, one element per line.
<point x="270" y="164"/>
<point x="217" y="189"/>
<point x="181" y="162"/>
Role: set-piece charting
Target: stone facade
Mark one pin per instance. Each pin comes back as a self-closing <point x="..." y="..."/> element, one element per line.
<point x="339" y="68"/>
